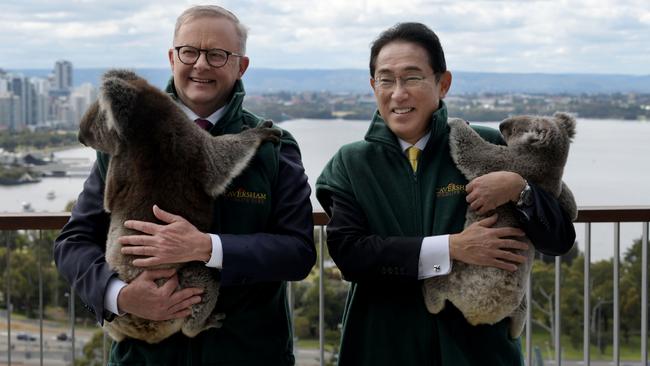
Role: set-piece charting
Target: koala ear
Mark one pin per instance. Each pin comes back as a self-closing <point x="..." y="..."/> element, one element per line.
<point x="117" y="99"/>
<point x="566" y="122"/>
<point x="120" y="74"/>
<point x="506" y="126"/>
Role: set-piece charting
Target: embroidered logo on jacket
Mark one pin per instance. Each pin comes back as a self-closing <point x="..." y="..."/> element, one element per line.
<point x="450" y="189"/>
<point x="242" y="195"/>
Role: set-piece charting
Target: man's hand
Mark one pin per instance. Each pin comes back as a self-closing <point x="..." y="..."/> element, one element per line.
<point x="143" y="298"/>
<point x="177" y="242"/>
<point x="492" y="190"/>
<point x="483" y="245"/>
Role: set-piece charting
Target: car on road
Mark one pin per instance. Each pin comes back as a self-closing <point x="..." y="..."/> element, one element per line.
<point x="62" y="337"/>
<point x="25" y="337"/>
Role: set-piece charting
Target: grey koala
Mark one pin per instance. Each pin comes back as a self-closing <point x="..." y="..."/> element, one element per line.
<point x="537" y="149"/>
<point x="159" y="156"/>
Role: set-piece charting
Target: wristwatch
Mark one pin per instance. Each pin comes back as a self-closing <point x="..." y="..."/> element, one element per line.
<point x="526" y="196"/>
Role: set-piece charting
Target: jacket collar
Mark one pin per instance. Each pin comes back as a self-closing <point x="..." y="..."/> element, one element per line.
<point x="379" y="131"/>
<point x="230" y="121"/>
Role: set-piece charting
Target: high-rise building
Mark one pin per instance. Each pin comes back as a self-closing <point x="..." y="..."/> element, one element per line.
<point x="81" y="98"/>
<point x="42" y="87"/>
<point x="21" y="87"/>
<point x="63" y="75"/>
<point x="10" y="111"/>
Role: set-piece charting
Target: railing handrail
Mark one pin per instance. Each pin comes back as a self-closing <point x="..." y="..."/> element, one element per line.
<point x="56" y="220"/>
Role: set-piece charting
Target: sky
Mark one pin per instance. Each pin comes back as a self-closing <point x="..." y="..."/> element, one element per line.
<point x="520" y="36"/>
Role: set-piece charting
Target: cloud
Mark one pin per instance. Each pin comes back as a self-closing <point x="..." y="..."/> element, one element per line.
<point x="601" y="36"/>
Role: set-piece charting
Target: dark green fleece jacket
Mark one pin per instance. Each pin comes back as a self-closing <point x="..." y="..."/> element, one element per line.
<point x="385" y="320"/>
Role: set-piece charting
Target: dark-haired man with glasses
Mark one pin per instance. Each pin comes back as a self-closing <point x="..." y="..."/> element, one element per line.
<point x="397" y="205"/>
<point x="261" y="237"/>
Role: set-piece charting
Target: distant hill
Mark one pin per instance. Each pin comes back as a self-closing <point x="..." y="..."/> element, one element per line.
<point x="260" y="80"/>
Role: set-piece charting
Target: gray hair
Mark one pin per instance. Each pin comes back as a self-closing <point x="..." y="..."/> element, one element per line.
<point x="214" y="11"/>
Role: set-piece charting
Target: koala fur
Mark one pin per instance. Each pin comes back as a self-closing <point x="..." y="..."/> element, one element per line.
<point x="537" y="149"/>
<point x="159" y="156"/>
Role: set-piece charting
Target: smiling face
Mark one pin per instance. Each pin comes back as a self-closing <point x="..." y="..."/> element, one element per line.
<point x="201" y="87"/>
<point x="407" y="109"/>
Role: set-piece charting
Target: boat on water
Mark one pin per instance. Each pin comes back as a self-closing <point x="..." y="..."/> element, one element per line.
<point x="50" y="195"/>
<point x="27" y="206"/>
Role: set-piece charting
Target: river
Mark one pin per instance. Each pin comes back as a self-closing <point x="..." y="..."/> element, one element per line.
<point x="609" y="165"/>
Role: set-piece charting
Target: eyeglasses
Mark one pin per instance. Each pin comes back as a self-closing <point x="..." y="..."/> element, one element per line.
<point x="216" y="57"/>
<point x="388" y="83"/>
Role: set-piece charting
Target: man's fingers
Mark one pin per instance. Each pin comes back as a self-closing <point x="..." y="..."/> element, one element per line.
<point x="504" y="265"/>
<point x="146" y="262"/>
<point x="469" y="187"/>
<point x="135" y="240"/>
<point x="165" y="216"/>
<point x="170" y="286"/>
<point x="148" y="251"/>
<point x="514" y="244"/>
<point x="489" y="221"/>
<point x="142" y="226"/>
<point x="180" y="314"/>
<point x="185" y="304"/>
<point x="186" y="293"/>
<point x="512" y="257"/>
<point x="482" y="210"/>
<point x="503" y="232"/>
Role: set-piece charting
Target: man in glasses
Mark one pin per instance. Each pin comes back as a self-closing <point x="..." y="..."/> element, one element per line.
<point x="397" y="205"/>
<point x="262" y="231"/>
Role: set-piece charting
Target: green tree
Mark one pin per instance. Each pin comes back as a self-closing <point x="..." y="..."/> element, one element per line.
<point x="601" y="303"/>
<point x="92" y="351"/>
<point x="543" y="280"/>
<point x="630" y="287"/>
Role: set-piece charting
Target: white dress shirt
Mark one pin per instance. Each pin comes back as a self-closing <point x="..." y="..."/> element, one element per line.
<point x="434" y="254"/>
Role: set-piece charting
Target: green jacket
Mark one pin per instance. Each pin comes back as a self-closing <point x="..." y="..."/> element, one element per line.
<point x="385" y="321"/>
<point x="257" y="327"/>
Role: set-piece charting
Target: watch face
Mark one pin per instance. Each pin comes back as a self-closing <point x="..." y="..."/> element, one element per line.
<point x="527" y="196"/>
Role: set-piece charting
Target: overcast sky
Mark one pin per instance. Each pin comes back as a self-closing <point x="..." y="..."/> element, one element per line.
<point x="549" y="36"/>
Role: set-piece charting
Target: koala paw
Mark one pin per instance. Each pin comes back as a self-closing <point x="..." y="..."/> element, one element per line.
<point x="268" y="132"/>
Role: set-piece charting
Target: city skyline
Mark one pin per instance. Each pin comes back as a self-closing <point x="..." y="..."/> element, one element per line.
<point x="566" y="36"/>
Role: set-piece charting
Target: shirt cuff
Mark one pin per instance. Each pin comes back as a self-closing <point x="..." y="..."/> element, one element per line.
<point x="434" y="257"/>
<point x="113" y="289"/>
<point x="216" y="258"/>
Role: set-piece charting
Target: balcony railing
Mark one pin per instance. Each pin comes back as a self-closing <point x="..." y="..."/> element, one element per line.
<point x="614" y="215"/>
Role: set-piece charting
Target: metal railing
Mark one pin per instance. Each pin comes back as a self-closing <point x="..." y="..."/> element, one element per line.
<point x="587" y="215"/>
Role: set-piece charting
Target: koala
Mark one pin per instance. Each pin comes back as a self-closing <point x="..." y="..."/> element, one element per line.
<point x="537" y="149"/>
<point x="159" y="156"/>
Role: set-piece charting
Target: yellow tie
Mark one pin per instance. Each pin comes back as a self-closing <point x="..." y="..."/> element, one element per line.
<point x="413" y="154"/>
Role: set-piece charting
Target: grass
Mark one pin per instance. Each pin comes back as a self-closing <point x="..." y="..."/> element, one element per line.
<point x="630" y="351"/>
<point x="308" y="343"/>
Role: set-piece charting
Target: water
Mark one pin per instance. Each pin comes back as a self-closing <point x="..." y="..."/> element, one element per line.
<point x="608" y="166"/>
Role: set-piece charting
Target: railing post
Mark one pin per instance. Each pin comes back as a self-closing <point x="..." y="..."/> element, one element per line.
<point x="617" y="318"/>
<point x="586" y="339"/>
<point x="40" y="292"/>
<point x="529" y="322"/>
<point x="644" y="295"/>
<point x="321" y="298"/>
<point x="558" y="344"/>
<point x="8" y="297"/>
